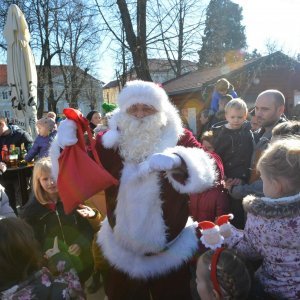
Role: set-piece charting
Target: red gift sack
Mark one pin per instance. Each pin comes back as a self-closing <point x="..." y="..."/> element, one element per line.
<point x="80" y="177"/>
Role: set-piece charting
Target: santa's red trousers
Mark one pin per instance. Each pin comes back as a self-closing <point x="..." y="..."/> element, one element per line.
<point x="172" y="286"/>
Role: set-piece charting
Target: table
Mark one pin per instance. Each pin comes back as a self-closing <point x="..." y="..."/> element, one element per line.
<point x="19" y="175"/>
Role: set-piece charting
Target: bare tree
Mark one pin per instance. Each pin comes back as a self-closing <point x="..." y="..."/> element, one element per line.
<point x="272" y="46"/>
<point x="78" y="36"/>
<point x="181" y="23"/>
<point x="62" y="32"/>
<point x="43" y="33"/>
<point x="132" y="15"/>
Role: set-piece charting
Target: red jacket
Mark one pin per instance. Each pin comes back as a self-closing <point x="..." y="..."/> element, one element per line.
<point x="210" y="204"/>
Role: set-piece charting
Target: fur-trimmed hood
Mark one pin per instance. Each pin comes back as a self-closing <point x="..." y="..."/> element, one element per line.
<point x="269" y="208"/>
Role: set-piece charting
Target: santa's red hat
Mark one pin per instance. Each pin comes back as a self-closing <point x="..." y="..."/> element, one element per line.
<point x="143" y="92"/>
<point x="224" y="224"/>
<point x="211" y="237"/>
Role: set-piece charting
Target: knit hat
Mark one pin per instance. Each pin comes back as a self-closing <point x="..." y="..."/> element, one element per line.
<point x="143" y="92"/>
<point x="49" y="122"/>
<point x="91" y="113"/>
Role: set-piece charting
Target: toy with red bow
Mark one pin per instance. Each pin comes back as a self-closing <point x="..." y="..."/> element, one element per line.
<point x="213" y="234"/>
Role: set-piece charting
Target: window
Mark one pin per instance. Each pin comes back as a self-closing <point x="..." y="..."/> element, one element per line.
<point x="4" y="95"/>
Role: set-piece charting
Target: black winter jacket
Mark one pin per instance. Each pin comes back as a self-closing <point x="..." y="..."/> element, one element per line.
<point x="17" y="136"/>
<point x="70" y="229"/>
<point x="235" y="147"/>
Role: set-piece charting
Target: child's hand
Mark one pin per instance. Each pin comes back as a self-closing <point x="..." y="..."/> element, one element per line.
<point x="236" y="181"/>
<point x="86" y="211"/>
<point x="231" y="182"/>
<point x="50" y="252"/>
<point x="74" y="249"/>
<point x="228" y="183"/>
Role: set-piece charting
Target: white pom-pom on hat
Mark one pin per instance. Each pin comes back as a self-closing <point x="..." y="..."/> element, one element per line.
<point x="110" y="139"/>
<point x="225" y="226"/>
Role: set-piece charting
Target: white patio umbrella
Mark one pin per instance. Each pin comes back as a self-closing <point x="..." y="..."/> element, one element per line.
<point x="21" y="70"/>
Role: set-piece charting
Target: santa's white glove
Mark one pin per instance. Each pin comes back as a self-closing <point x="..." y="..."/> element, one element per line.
<point x="66" y="133"/>
<point x="164" y="162"/>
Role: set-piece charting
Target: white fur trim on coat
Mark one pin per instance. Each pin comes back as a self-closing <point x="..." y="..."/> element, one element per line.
<point x="140" y="226"/>
<point x="201" y="170"/>
<point x="140" y="266"/>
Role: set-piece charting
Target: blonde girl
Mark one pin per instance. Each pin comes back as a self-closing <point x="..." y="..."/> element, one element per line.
<point x="45" y="213"/>
<point x="272" y="229"/>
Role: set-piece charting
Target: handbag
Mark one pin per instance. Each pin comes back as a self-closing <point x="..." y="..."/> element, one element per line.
<point x="80" y="177"/>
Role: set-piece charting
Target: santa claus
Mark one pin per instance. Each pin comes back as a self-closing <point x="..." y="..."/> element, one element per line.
<point x="148" y="237"/>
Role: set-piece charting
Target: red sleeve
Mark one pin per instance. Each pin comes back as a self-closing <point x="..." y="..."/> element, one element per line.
<point x="222" y="204"/>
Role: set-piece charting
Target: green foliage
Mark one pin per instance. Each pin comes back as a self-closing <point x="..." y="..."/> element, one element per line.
<point x="224" y="36"/>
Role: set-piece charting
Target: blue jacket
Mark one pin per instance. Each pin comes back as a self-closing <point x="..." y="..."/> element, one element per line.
<point x="40" y="146"/>
<point x="214" y="105"/>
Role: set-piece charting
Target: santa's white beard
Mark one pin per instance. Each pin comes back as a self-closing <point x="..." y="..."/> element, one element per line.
<point x="140" y="137"/>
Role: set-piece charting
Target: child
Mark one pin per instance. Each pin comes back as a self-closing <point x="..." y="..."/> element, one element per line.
<point x="45" y="213"/>
<point x="273" y="222"/>
<point x="221" y="274"/>
<point x="285" y="129"/>
<point x="205" y="119"/>
<point x="222" y="87"/>
<point x="22" y="276"/>
<point x="47" y="131"/>
<point x="233" y="141"/>
<point x="51" y="115"/>
<point x="207" y="139"/>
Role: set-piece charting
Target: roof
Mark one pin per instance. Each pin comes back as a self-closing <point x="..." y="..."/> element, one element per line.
<point x="196" y="80"/>
<point x="56" y="71"/>
<point x="156" y="64"/>
<point x="111" y="84"/>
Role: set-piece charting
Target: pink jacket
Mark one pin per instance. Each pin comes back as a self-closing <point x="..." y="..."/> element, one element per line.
<point x="272" y="233"/>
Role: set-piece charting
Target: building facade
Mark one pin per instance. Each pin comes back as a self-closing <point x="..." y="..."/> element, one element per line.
<point x="90" y="96"/>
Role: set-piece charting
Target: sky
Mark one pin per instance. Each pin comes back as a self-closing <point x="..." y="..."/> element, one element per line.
<point x="277" y="20"/>
<point x="274" y="20"/>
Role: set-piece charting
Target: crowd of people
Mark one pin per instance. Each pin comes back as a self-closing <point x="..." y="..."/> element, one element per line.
<point x="164" y="232"/>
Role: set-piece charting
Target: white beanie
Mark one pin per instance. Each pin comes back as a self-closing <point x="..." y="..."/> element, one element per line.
<point x="143" y="92"/>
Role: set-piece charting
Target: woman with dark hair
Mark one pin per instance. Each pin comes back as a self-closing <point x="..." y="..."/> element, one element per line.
<point x="21" y="261"/>
<point x="94" y="118"/>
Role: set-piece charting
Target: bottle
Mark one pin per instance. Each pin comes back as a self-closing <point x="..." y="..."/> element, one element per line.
<point x="18" y="150"/>
<point x="13" y="156"/>
<point x="23" y="152"/>
<point x="4" y="154"/>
